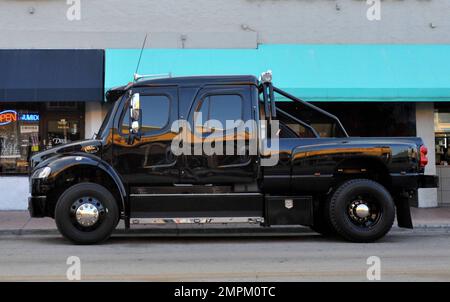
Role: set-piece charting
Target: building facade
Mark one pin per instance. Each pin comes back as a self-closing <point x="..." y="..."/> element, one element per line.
<point x="381" y="67"/>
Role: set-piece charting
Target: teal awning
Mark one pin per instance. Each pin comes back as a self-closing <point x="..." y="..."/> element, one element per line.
<point x="411" y="73"/>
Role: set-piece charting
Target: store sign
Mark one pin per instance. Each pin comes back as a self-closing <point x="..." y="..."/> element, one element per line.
<point x="30" y="117"/>
<point x="7" y="117"/>
<point x="29" y="129"/>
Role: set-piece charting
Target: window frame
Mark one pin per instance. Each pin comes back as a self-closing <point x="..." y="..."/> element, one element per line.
<point x="125" y="109"/>
<point x="199" y="103"/>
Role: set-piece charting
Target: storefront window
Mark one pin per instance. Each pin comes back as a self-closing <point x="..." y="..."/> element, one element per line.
<point x="19" y="138"/>
<point x="27" y="128"/>
<point x="61" y="124"/>
<point x="63" y="131"/>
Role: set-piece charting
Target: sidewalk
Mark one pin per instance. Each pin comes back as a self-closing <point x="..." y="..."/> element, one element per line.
<point x="20" y="223"/>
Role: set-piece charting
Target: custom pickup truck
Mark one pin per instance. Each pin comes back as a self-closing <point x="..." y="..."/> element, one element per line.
<point x="280" y="161"/>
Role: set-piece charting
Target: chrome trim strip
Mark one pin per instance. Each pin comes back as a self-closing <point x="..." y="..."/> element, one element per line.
<point x="312" y="176"/>
<point x="298" y="176"/>
<point x="197" y="220"/>
<point x="411" y="174"/>
<point x="196" y="194"/>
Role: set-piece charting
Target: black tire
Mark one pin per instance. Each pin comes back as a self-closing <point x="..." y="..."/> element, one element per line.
<point x="322" y="223"/>
<point x="348" y="224"/>
<point x="73" y="231"/>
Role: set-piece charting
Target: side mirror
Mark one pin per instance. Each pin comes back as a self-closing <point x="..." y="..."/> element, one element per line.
<point x="135" y="127"/>
<point x="135" y="118"/>
<point x="135" y="107"/>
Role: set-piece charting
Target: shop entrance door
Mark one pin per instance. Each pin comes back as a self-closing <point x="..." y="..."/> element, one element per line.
<point x="62" y="127"/>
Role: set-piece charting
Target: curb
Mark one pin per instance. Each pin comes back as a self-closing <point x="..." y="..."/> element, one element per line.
<point x="242" y="231"/>
<point x="433" y="226"/>
<point x="234" y="232"/>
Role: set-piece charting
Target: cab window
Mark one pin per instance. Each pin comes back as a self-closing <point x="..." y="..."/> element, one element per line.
<point x="222" y="108"/>
<point x="155" y="114"/>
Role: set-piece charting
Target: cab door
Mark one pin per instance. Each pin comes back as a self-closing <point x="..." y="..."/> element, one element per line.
<point x="148" y="161"/>
<point x="219" y="107"/>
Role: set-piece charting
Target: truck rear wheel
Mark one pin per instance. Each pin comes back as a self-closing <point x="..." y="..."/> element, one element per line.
<point x="86" y="213"/>
<point x="362" y="210"/>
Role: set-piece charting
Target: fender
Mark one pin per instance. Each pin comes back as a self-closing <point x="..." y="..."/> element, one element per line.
<point x="66" y="162"/>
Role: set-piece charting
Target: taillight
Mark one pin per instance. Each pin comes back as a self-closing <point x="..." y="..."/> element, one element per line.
<point x="423" y="156"/>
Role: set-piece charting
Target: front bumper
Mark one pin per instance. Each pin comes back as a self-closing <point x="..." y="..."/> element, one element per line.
<point x="37" y="206"/>
<point x="38" y="202"/>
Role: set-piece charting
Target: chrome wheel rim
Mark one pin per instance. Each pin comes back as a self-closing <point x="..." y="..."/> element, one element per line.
<point x="87" y="212"/>
<point x="364" y="211"/>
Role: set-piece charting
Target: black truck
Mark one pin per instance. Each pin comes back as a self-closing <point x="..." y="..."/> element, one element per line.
<point x="286" y="162"/>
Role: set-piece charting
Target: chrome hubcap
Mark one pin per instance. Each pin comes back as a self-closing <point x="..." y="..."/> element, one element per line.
<point x="87" y="214"/>
<point x="87" y="211"/>
<point x="362" y="210"/>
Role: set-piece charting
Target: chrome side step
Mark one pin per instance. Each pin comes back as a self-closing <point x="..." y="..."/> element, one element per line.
<point x="197" y="220"/>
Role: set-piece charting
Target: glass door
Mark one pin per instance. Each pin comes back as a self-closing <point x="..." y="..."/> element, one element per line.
<point x="62" y="131"/>
<point x="62" y="126"/>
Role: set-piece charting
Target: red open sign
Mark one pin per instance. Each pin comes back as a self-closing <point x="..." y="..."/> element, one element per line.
<point x="7" y="116"/>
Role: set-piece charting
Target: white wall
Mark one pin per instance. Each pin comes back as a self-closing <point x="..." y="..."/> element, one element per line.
<point x="93" y="118"/>
<point x="14" y="192"/>
<point x="219" y="23"/>
<point x="425" y="130"/>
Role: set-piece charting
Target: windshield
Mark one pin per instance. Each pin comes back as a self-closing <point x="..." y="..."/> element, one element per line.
<point x="104" y="123"/>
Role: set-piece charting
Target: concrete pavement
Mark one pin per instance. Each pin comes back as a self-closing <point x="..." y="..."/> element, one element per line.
<point x="403" y="255"/>
<point x="20" y="223"/>
<point x="32" y="250"/>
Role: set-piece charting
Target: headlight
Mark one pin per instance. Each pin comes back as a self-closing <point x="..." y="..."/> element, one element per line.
<point x="42" y="172"/>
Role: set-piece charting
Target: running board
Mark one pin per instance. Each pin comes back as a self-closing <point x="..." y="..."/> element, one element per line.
<point x="197" y="220"/>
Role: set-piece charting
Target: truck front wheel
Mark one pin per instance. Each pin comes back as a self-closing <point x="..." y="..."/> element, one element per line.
<point x="86" y="213"/>
<point x="362" y="210"/>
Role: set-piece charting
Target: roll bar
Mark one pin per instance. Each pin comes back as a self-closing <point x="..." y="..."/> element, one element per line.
<point x="271" y="111"/>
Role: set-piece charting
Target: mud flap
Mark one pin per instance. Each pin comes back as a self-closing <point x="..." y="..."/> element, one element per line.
<point x="403" y="212"/>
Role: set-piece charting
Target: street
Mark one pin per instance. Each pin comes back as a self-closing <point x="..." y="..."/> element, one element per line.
<point x="406" y="255"/>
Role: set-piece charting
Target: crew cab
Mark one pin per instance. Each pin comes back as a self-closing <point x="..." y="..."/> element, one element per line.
<point x="281" y="161"/>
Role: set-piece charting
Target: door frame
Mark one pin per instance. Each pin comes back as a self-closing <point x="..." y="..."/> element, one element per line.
<point x="120" y="138"/>
<point x="248" y="112"/>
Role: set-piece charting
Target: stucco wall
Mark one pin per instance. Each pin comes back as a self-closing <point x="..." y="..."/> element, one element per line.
<point x="93" y="118"/>
<point x="219" y="23"/>
<point x="14" y="192"/>
<point x="425" y="130"/>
